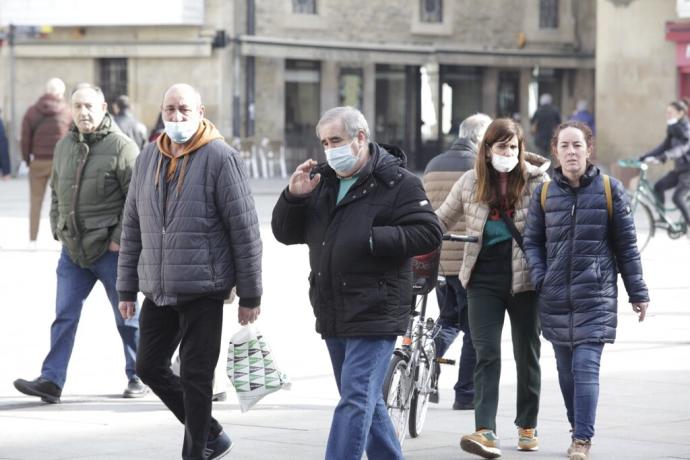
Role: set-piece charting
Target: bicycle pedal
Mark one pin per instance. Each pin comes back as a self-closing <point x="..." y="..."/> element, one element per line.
<point x="445" y="361"/>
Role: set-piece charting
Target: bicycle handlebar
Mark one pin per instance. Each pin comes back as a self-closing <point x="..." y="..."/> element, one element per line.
<point x="635" y="164"/>
<point x="461" y="238"/>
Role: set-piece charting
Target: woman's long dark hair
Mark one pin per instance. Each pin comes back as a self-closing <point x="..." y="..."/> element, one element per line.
<point x="488" y="187"/>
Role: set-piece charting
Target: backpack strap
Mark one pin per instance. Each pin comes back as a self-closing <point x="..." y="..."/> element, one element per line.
<point x="609" y="198"/>
<point x="544" y="193"/>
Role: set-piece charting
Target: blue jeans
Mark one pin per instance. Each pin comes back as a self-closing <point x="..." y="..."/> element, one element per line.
<point x="578" y="376"/>
<point x="74" y="284"/>
<point x="360" y="419"/>
<point x="452" y="301"/>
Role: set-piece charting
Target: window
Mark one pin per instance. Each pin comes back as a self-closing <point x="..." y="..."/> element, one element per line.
<point x="431" y="11"/>
<point x="390" y="104"/>
<point x="112" y="78"/>
<point x="548" y="14"/>
<point x="350" y="87"/>
<point x="302" y="107"/>
<point x="304" y="6"/>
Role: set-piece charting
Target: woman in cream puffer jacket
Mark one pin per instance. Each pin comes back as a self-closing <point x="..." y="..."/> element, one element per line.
<point x="494" y="271"/>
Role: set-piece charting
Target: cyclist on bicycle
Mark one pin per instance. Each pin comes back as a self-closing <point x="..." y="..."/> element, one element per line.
<point x="676" y="146"/>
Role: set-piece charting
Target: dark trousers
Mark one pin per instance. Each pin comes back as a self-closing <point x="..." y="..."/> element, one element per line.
<point x="681" y="181"/>
<point x="452" y="301"/>
<point x="489" y="298"/>
<point x="196" y="326"/>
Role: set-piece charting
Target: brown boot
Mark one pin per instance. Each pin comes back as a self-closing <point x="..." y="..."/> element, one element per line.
<point x="579" y="449"/>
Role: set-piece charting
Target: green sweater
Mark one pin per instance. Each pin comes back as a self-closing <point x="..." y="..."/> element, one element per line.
<point x="89" y="185"/>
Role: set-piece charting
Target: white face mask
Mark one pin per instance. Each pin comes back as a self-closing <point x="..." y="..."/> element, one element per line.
<point x="671" y="121"/>
<point x="341" y="159"/>
<point x="503" y="164"/>
<point x="181" y="131"/>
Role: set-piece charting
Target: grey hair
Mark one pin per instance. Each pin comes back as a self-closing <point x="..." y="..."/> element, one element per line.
<point x="95" y="89"/>
<point x="473" y="127"/>
<point x="55" y="86"/>
<point x="545" y="99"/>
<point x="353" y="120"/>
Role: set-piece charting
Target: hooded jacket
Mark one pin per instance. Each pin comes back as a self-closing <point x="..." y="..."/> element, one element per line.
<point x="439" y="177"/>
<point x="463" y="204"/>
<point x="190" y="227"/>
<point x="89" y="185"/>
<point x="360" y="248"/>
<point x="675" y="146"/>
<point x="573" y="249"/>
<point x="43" y="125"/>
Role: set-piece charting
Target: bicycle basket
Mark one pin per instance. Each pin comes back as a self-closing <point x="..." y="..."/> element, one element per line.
<point x="425" y="271"/>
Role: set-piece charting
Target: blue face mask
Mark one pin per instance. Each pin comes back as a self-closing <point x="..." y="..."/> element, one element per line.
<point x="181" y="131"/>
<point x="341" y="159"/>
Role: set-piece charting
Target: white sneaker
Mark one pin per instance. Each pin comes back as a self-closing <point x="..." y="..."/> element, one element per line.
<point x="32" y="246"/>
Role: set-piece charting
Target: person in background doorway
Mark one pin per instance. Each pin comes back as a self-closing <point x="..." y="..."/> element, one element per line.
<point x="544" y="121"/>
<point x="128" y="123"/>
<point x="583" y="115"/>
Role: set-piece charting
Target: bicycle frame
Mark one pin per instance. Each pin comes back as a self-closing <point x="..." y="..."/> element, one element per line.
<point x="644" y="192"/>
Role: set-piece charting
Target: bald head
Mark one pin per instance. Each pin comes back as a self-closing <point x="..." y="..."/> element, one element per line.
<point x="190" y="94"/>
<point x="55" y="87"/>
<point x="182" y="112"/>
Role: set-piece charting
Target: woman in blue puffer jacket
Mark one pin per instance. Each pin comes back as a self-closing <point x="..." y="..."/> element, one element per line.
<point x="575" y="246"/>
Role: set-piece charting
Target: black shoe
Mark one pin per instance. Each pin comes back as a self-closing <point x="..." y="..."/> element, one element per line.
<point x="457" y="405"/>
<point x="45" y="389"/>
<point x="220" y="396"/>
<point x="219" y="447"/>
<point x="135" y="389"/>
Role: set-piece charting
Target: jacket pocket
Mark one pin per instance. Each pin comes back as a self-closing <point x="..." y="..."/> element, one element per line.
<point x="96" y="233"/>
<point x="363" y="298"/>
<point x="107" y="184"/>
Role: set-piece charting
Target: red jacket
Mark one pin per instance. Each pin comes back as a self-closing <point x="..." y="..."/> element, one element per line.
<point x="45" y="123"/>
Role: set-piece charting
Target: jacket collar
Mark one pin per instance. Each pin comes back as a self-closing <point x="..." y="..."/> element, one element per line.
<point x="590" y="174"/>
<point x="106" y="127"/>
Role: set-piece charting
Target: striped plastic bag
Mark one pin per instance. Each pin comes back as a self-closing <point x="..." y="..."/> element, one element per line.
<point x="252" y="368"/>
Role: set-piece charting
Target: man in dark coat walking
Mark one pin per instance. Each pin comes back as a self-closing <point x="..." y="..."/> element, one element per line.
<point x="363" y="217"/>
<point x="190" y="234"/>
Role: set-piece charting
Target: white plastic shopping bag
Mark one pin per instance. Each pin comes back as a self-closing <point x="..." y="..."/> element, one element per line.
<point x="252" y="368"/>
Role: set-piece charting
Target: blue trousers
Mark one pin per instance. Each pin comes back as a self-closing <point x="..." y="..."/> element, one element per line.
<point x="578" y="377"/>
<point x="452" y="301"/>
<point x="74" y="284"/>
<point x="360" y="420"/>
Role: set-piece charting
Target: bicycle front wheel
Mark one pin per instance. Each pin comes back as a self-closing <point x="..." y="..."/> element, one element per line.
<point x="396" y="390"/>
<point x="644" y="223"/>
<point x="423" y="387"/>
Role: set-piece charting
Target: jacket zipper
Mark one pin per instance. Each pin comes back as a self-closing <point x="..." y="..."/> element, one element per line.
<point x="164" y="190"/>
<point x="570" y="264"/>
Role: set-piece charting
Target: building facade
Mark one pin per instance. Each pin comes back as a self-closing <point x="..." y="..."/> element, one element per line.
<point x="268" y="68"/>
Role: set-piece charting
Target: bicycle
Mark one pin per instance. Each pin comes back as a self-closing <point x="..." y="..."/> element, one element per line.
<point x="646" y="207"/>
<point x="409" y="380"/>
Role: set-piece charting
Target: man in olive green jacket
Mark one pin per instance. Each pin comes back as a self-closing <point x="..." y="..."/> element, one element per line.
<point x="92" y="167"/>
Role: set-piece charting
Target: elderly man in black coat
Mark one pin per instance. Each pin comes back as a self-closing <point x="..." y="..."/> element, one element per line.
<point x="363" y="217"/>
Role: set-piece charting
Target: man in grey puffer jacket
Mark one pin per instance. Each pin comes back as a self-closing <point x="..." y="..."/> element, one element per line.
<point x="190" y="234"/>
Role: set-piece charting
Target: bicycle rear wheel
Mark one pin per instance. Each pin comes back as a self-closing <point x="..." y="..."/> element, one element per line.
<point x="396" y="390"/>
<point x="420" y="398"/>
<point x="644" y="223"/>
